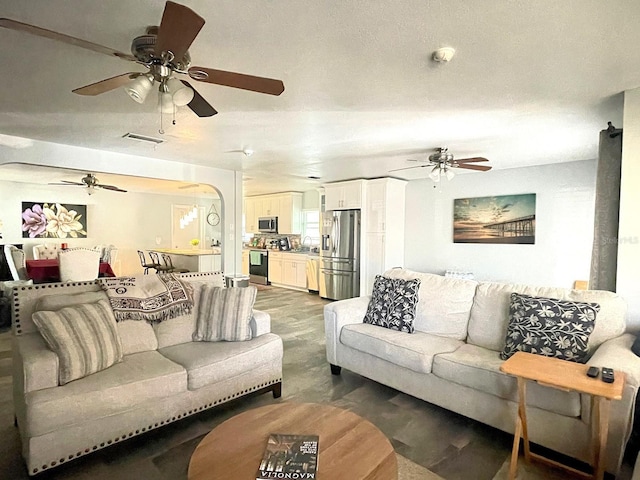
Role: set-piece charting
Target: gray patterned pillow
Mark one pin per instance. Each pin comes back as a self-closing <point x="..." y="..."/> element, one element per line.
<point x="549" y="327"/>
<point x="84" y="337"/>
<point x="225" y="314"/>
<point x="393" y="303"/>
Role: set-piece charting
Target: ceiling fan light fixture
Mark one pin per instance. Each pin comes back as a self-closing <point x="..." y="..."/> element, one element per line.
<point x="165" y="102"/>
<point x="449" y="173"/>
<point x="180" y="93"/>
<point x="435" y="174"/>
<point x="139" y="88"/>
<point x="90" y="189"/>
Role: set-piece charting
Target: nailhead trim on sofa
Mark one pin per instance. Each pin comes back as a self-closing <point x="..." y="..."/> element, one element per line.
<point x="266" y="386"/>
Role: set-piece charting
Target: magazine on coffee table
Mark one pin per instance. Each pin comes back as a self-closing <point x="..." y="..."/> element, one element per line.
<point x="289" y="456"/>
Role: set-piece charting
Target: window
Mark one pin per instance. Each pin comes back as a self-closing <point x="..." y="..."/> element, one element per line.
<point x="311" y="227"/>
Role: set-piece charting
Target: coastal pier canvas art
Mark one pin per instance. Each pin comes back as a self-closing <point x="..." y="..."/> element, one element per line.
<point x="500" y="219"/>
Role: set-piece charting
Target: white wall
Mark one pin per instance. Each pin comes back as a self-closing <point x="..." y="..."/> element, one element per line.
<point x="564" y="225"/>
<point x="227" y="182"/>
<point x="130" y="221"/>
<point x="628" y="284"/>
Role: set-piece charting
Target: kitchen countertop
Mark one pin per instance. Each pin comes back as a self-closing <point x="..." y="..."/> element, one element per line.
<point x="190" y="252"/>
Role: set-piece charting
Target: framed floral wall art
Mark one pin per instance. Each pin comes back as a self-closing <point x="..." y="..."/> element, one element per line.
<point x="53" y="220"/>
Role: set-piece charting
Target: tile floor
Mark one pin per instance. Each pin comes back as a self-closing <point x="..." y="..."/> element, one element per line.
<point x="451" y="446"/>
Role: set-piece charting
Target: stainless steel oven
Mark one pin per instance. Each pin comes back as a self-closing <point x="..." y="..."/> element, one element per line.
<point x="259" y="266"/>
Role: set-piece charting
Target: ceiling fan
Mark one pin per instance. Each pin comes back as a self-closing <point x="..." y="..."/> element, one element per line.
<point x="442" y="163"/>
<point x="90" y="182"/>
<point x="164" y="51"/>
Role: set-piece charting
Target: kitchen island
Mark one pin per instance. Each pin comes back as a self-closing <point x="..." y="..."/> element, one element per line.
<point x="195" y="259"/>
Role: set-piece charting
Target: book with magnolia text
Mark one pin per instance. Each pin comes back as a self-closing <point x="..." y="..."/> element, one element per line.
<point x="292" y="457"/>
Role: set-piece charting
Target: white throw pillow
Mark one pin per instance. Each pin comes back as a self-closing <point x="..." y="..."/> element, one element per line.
<point x="225" y="314"/>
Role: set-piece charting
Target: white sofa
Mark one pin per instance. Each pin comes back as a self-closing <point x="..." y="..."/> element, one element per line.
<point x="163" y="377"/>
<point x="452" y="359"/>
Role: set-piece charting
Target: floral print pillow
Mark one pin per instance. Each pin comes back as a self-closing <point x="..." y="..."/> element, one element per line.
<point x="393" y="303"/>
<point x="549" y="327"/>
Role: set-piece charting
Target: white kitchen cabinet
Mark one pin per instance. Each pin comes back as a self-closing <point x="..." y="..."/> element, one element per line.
<point x="286" y="206"/>
<point x="245" y="262"/>
<point x="290" y="213"/>
<point x="250" y="216"/>
<point x="294" y="270"/>
<point x="275" y="267"/>
<point x="383" y="217"/>
<point x="343" y="195"/>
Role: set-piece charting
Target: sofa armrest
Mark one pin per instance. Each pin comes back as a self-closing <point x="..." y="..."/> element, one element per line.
<point x="260" y="323"/>
<point x="337" y="315"/>
<point x="616" y="353"/>
<point x="35" y="366"/>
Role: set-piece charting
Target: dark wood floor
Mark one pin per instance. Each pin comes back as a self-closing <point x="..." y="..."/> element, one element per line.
<point x="454" y="447"/>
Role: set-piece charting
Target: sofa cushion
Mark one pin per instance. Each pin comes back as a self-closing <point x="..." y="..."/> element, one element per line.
<point x="207" y="363"/>
<point x="443" y="303"/>
<point x="415" y="351"/>
<point x="490" y="312"/>
<point x="393" y="303"/>
<point x="224" y="314"/>
<point x="134" y="336"/>
<point x="138" y="380"/>
<point x="549" y="327"/>
<point x="479" y="368"/>
<point x="84" y="337"/>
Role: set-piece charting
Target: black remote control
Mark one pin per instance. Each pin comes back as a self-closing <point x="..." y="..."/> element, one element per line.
<point x="607" y="375"/>
<point x="593" y="372"/>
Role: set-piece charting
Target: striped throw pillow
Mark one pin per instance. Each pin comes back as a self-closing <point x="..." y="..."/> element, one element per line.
<point x="225" y="314"/>
<point x="84" y="337"/>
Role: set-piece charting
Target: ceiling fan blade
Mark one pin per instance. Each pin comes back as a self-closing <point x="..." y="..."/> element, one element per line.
<point x="198" y="104"/>
<point x="237" y="80"/>
<point x="110" y="187"/>
<point x="471" y="160"/>
<point x="408" y="168"/>
<point x="61" y="37"/>
<point x="66" y="182"/>
<point x="482" y="168"/>
<point x="106" y="85"/>
<point x="178" y="29"/>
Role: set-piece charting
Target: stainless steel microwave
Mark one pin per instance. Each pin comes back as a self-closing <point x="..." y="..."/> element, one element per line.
<point x="268" y="224"/>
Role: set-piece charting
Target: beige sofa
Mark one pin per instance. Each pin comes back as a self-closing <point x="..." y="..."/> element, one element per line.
<point x="452" y="359"/>
<point x="163" y="377"/>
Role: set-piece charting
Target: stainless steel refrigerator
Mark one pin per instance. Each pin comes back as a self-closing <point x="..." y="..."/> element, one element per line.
<point x="340" y="255"/>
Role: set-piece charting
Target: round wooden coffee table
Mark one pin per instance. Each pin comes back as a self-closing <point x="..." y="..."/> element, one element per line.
<point x="350" y="447"/>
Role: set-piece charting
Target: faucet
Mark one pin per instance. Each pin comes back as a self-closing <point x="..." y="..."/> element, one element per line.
<point x="305" y="239"/>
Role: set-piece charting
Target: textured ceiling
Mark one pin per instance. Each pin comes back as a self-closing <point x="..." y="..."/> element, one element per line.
<point x="531" y="83"/>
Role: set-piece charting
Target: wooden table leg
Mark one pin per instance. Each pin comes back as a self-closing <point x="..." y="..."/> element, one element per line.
<point x="602" y="406"/>
<point x="522" y="413"/>
<point x="513" y="466"/>
<point x="520" y="431"/>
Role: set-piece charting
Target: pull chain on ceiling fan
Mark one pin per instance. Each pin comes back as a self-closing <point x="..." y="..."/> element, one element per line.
<point x="164" y="50"/>
<point x="443" y="163"/>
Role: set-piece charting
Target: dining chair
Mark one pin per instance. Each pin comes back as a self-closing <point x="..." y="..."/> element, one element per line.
<point x="46" y="251"/>
<point x="108" y="253"/>
<point x="145" y="265"/>
<point x="169" y="263"/>
<point x="16" y="260"/>
<point x="159" y="266"/>
<point x="78" y="264"/>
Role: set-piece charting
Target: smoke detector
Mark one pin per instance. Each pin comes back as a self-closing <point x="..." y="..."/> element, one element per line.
<point x="443" y="54"/>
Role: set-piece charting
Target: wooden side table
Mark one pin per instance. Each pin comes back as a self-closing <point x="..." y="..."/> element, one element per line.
<point x="568" y="376"/>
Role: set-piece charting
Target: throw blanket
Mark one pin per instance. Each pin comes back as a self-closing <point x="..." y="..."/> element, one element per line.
<point x="153" y="298"/>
